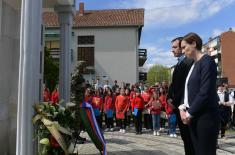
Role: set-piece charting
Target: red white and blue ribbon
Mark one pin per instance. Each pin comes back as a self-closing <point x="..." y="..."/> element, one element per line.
<point x="94" y="124"/>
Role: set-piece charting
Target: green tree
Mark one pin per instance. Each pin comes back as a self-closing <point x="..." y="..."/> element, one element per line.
<point x="158" y="73"/>
<point x="77" y="92"/>
<point x="77" y="84"/>
<point x="51" y="71"/>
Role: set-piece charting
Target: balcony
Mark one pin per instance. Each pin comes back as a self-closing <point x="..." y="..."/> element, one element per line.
<point x="214" y="42"/>
<point x="85" y="69"/>
<point x="55" y="54"/>
<point x="214" y="52"/>
<point x="142" y="76"/>
<point x="142" y="56"/>
<point x="52" y="36"/>
<point x="53" y="3"/>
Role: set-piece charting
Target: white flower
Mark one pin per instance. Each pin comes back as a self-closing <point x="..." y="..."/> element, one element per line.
<point x="70" y="104"/>
<point x="44" y="141"/>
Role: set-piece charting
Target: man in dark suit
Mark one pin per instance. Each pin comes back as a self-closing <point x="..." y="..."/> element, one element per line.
<point x="176" y="91"/>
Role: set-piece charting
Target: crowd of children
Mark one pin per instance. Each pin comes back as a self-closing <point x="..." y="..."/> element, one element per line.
<point x="126" y="105"/>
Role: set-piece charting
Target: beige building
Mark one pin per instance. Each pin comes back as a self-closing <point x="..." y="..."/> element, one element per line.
<point x="107" y="40"/>
<point x="222" y="49"/>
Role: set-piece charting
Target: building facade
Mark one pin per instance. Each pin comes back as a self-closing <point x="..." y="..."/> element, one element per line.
<point x="107" y="40"/>
<point x="221" y="48"/>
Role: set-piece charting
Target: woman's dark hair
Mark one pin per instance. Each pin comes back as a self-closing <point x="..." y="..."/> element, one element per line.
<point x="108" y="88"/>
<point x="128" y="90"/>
<point x="193" y="37"/>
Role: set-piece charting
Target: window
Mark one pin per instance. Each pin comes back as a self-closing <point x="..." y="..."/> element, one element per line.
<point x="86" y="54"/>
<point x="53" y="45"/>
<point x="83" y="40"/>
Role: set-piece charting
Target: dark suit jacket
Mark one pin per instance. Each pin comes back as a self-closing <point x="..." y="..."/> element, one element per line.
<point x="202" y="95"/>
<point x="176" y="89"/>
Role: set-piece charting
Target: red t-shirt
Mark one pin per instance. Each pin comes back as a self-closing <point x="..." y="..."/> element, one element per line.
<point x="151" y="90"/>
<point x="97" y="102"/>
<point x="138" y="103"/>
<point x="146" y="97"/>
<point x="155" y="107"/>
<point x="168" y="109"/>
<point x="108" y="103"/>
<point x="132" y="95"/>
<point x="121" y="103"/>
<point x="162" y="98"/>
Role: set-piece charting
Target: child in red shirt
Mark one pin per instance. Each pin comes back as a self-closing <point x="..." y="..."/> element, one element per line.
<point x="171" y="118"/>
<point x="121" y="105"/>
<point x="88" y="96"/>
<point x="137" y="109"/>
<point x="162" y="97"/>
<point x="155" y="106"/>
<point x="115" y="94"/>
<point x="97" y="104"/>
<point x="109" y="109"/>
<point x="128" y="114"/>
<point x="147" y="116"/>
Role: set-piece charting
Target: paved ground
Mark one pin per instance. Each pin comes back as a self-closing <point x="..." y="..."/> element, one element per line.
<point x="147" y="144"/>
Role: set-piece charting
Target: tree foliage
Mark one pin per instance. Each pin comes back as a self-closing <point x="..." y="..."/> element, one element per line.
<point x="51" y="71"/>
<point x="77" y="85"/>
<point x="158" y="73"/>
<point x="77" y="91"/>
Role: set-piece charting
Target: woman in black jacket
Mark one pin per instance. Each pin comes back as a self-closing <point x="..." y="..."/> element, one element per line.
<point x="200" y="107"/>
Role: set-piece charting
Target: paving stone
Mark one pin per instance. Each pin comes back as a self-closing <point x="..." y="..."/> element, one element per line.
<point x="146" y="144"/>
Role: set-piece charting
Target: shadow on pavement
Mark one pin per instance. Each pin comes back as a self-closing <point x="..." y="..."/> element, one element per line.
<point x="118" y="141"/>
<point x="137" y="152"/>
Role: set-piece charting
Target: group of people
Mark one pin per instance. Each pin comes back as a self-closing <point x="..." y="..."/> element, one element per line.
<point x="127" y="105"/>
<point x="192" y="98"/>
<point x="200" y="111"/>
<point x="191" y="101"/>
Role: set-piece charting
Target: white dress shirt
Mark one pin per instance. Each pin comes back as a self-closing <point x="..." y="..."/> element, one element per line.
<point x="185" y="105"/>
<point x="221" y="97"/>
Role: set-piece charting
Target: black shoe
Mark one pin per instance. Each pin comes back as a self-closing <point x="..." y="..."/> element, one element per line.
<point x="81" y="138"/>
<point x="80" y="142"/>
<point x="222" y="135"/>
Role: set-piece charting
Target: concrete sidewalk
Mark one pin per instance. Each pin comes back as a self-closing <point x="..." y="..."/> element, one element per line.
<point x="146" y="144"/>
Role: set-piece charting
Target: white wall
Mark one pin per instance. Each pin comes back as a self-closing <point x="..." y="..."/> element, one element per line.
<point x="116" y="53"/>
<point x="9" y="51"/>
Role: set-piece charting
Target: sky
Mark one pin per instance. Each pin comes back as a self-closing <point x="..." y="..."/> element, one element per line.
<point x="166" y="19"/>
